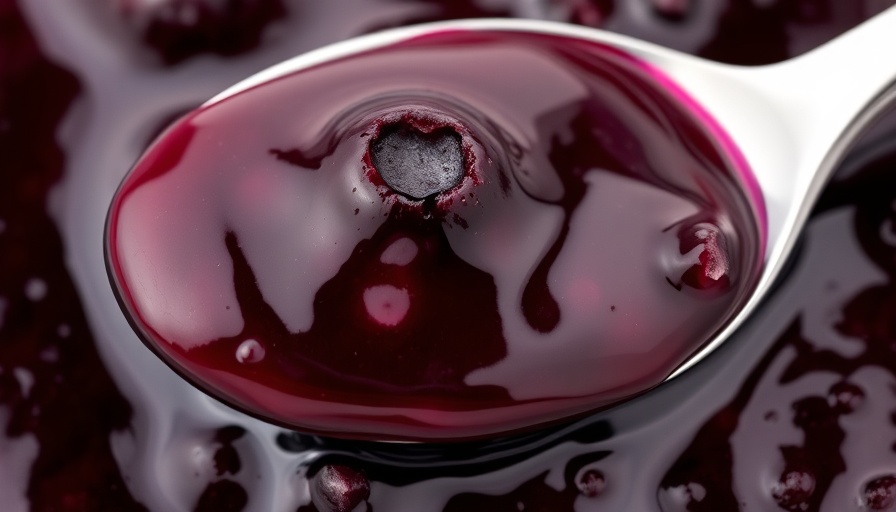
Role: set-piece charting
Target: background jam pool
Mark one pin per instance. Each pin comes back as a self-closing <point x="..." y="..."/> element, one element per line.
<point x="797" y="413"/>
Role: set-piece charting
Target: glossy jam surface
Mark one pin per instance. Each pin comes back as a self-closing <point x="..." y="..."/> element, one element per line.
<point x="581" y="235"/>
<point x="795" y="413"/>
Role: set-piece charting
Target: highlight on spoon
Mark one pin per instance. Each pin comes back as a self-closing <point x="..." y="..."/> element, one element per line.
<point x="447" y="236"/>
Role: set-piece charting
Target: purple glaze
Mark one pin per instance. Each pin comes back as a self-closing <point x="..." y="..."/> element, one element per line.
<point x="556" y="254"/>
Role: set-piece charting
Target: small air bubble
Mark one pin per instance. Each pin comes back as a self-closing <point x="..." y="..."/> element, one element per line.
<point x="250" y="351"/>
<point x="35" y="289"/>
<point x="2" y="226"/>
<point x="64" y="331"/>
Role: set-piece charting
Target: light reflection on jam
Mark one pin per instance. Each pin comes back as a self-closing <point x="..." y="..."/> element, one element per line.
<point x="407" y="309"/>
<point x="47" y="339"/>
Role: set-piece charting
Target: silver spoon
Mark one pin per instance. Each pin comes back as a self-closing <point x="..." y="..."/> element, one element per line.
<point x="792" y="121"/>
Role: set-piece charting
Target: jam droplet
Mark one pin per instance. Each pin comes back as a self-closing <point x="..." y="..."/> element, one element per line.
<point x="794" y="489"/>
<point x="592" y="483"/>
<point x="880" y="493"/>
<point x="339" y="488"/>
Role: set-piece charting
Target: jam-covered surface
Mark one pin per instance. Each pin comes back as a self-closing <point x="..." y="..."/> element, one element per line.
<point x="582" y="238"/>
<point x="54" y="391"/>
<point x="795" y="413"/>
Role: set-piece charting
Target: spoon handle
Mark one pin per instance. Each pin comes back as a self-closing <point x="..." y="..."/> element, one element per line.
<point x="836" y="89"/>
<point x="794" y="121"/>
<point x="831" y="94"/>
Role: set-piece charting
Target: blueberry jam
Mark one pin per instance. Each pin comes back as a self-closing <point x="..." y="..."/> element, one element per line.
<point x="796" y="412"/>
<point x="400" y="248"/>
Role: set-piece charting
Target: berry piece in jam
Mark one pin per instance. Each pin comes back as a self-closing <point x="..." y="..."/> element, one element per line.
<point x="337" y="488"/>
<point x="592" y="483"/>
<point x="416" y="163"/>
<point x="794" y="489"/>
<point x="880" y="493"/>
<point x="397" y="246"/>
<point x="707" y="243"/>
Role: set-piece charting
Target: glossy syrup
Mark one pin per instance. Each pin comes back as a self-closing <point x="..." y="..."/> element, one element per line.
<point x="795" y="414"/>
<point x="596" y="240"/>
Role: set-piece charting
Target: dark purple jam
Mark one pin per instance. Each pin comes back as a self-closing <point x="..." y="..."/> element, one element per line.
<point x="796" y="412"/>
<point x="404" y="245"/>
<point x="180" y="29"/>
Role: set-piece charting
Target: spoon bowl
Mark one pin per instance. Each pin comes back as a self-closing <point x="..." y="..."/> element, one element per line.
<point x="277" y="246"/>
<point x="791" y="122"/>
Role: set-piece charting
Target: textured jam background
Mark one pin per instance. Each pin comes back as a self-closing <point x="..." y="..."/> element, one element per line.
<point x="798" y="412"/>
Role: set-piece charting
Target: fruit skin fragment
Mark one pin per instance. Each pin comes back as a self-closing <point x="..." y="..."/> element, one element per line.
<point x="339" y="488"/>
